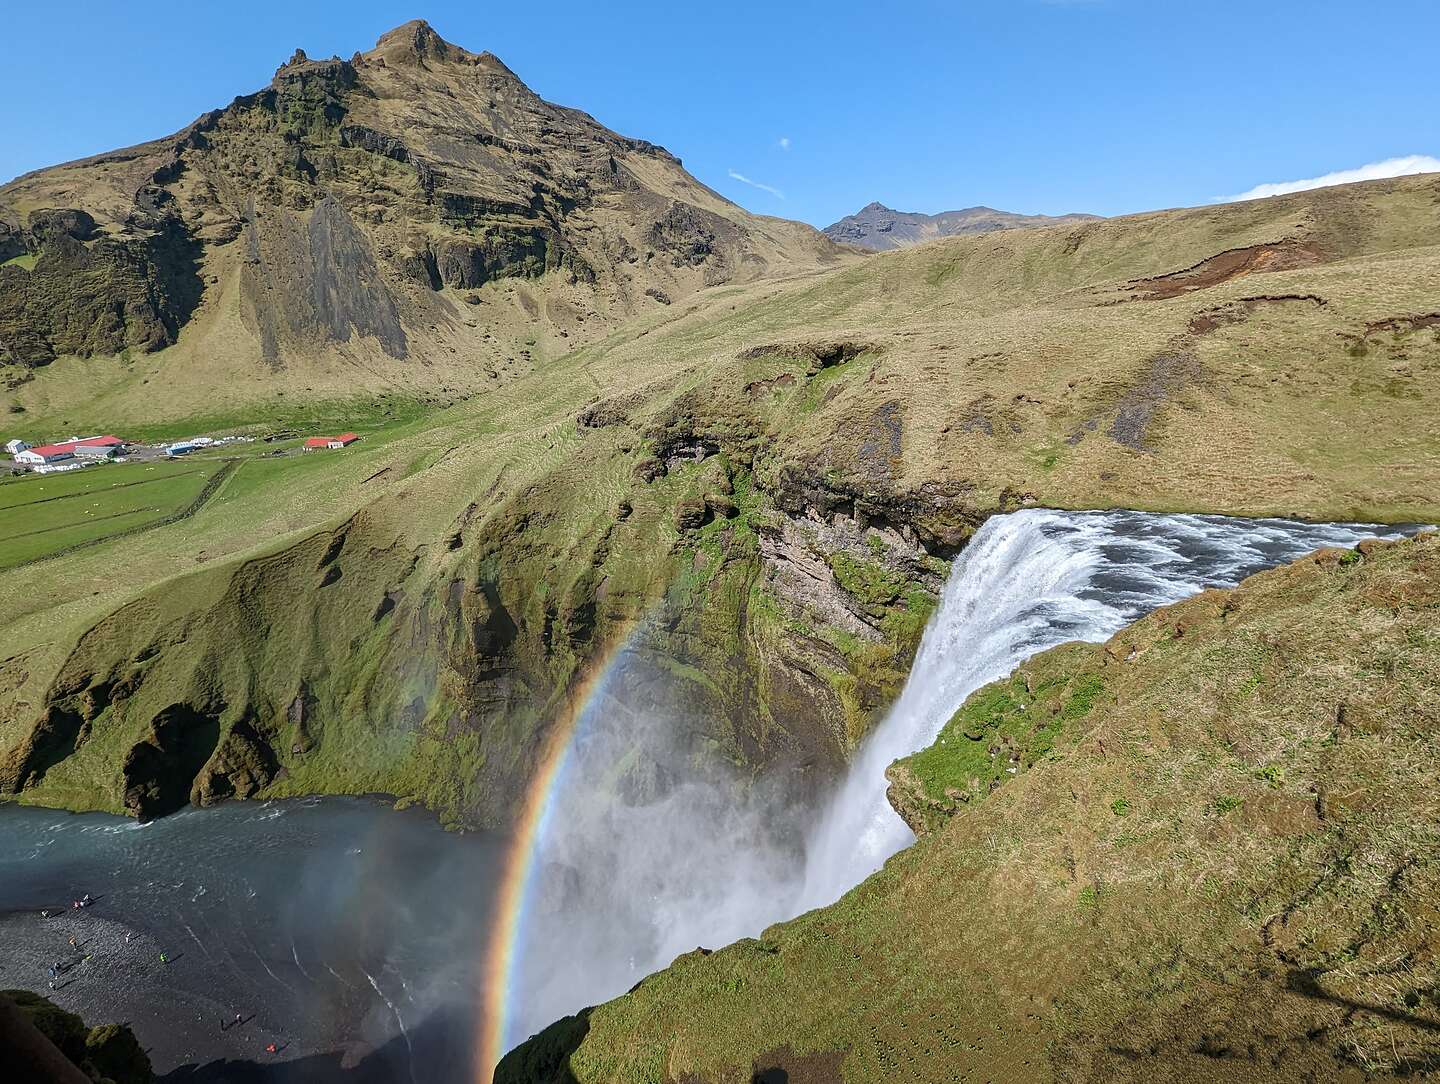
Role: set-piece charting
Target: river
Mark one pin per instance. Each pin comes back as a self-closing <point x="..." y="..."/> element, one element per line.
<point x="346" y="933"/>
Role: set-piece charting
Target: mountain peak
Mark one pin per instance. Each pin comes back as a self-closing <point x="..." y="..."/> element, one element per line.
<point x="875" y="206"/>
<point x="412" y="42"/>
<point x="384" y="191"/>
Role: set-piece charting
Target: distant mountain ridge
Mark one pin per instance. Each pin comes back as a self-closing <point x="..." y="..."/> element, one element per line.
<point x="878" y="227"/>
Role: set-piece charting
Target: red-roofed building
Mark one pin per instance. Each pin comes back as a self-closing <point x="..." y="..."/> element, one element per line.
<point x="331" y="442"/>
<point x="88" y="447"/>
<point x="46" y="453"/>
<point x="96" y="446"/>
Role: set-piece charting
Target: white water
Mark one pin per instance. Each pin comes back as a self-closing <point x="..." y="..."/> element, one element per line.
<point x="1027" y="582"/>
<point x="643" y="859"/>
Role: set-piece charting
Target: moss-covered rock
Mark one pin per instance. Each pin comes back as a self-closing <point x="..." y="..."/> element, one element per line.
<point x="107" y="1054"/>
<point x="999" y="732"/>
<point x="114" y="1054"/>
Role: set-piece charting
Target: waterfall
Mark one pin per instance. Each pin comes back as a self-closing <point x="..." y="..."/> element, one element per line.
<point x="1029" y="581"/>
<point x="642" y="859"/>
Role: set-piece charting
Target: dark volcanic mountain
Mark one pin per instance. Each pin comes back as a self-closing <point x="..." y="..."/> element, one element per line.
<point x="362" y="211"/>
<point x="876" y="226"/>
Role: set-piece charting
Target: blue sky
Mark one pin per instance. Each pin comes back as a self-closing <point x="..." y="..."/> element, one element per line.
<point x="1049" y="106"/>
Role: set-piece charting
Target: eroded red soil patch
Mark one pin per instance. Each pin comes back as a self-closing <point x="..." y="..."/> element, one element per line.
<point x="1229" y="265"/>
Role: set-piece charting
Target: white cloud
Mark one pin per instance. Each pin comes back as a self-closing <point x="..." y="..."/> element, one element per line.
<point x="1391" y="167"/>
<point x="784" y="143"/>
<point x="738" y="176"/>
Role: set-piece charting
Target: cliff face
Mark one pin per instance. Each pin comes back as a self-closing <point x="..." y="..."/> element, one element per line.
<point x="358" y="208"/>
<point x="1209" y="872"/>
<point x="371" y="657"/>
<point x="88" y="292"/>
<point x="69" y="1052"/>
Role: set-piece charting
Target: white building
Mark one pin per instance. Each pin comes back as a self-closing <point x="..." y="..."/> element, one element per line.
<point x="46" y="453"/>
<point x="16" y="446"/>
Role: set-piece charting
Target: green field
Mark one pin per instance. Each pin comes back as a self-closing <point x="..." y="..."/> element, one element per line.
<point x="304" y="418"/>
<point x="44" y="515"/>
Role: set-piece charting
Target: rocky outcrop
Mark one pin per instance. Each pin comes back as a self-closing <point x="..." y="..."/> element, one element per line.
<point x="242" y="764"/>
<point x="158" y="771"/>
<point x="89" y="292"/>
<point x="999" y="733"/>
<point x="107" y="1054"/>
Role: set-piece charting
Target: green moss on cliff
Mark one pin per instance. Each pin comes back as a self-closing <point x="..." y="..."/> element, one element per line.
<point x="872" y="584"/>
<point x="109" y="1053"/>
<point x="1000" y="732"/>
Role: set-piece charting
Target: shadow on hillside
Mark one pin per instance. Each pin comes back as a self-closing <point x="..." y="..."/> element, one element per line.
<point x="1305" y="982"/>
<point x="438" y="1050"/>
<point x="545" y="1058"/>
<point x="784" y="1066"/>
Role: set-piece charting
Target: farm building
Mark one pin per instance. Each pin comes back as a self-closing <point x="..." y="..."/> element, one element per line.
<point x="184" y="447"/>
<point x="343" y="440"/>
<point x="100" y="447"/>
<point x="96" y="447"/>
<point x="15" y="446"/>
<point x="46" y="453"/>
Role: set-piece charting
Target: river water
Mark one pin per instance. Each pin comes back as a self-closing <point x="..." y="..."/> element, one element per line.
<point x="354" y="933"/>
<point x="347" y="933"/>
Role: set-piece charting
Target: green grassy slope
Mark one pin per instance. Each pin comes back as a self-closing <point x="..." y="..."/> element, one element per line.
<point x="773" y="472"/>
<point x="1223" y="866"/>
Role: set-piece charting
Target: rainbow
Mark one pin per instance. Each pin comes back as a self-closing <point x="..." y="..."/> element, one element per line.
<point x="518" y="867"/>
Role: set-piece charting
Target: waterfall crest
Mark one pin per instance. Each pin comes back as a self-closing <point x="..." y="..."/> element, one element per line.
<point x="1027" y="582"/>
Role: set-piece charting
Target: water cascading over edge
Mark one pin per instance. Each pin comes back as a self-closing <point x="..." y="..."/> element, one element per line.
<point x="628" y="883"/>
<point x="1027" y="582"/>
